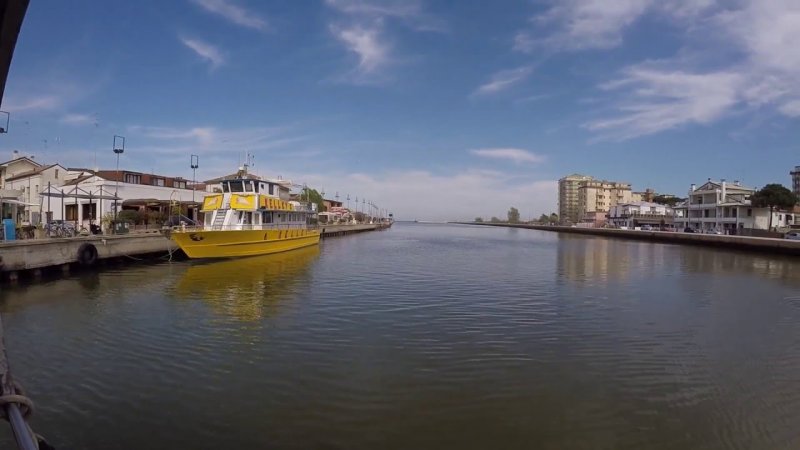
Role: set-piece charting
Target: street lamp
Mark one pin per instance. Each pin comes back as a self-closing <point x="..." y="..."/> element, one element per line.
<point x="194" y="164"/>
<point x="119" y="148"/>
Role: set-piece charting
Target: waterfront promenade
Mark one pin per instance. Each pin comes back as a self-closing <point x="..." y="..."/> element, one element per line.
<point x="37" y="255"/>
<point x="766" y="245"/>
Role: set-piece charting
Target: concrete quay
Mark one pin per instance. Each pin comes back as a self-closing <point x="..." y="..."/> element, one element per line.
<point x="39" y="254"/>
<point x="36" y="255"/>
<point x="763" y="245"/>
<point x="342" y="230"/>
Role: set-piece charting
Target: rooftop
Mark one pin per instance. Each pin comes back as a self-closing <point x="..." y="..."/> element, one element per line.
<point x="29" y="173"/>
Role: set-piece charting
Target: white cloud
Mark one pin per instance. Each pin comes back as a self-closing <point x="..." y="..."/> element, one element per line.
<point x="409" y="12"/>
<point x="33" y="103"/>
<point x="598" y="24"/>
<point x="220" y="149"/>
<point x="761" y="42"/>
<point x="376" y="8"/>
<point x="791" y="108"/>
<point x="78" y="119"/>
<point x="504" y="79"/>
<point x="366" y="43"/>
<point x="362" y="29"/>
<point x="233" y="13"/>
<point x="661" y="99"/>
<point x="458" y="196"/>
<point x="204" y="50"/>
<point x="516" y="155"/>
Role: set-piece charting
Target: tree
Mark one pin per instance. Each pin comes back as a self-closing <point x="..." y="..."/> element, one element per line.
<point x="495" y="220"/>
<point x="313" y="196"/>
<point x="513" y="215"/>
<point x="554" y="218"/>
<point x="544" y="218"/>
<point x="479" y="219"/>
<point x="669" y="200"/>
<point x="772" y="196"/>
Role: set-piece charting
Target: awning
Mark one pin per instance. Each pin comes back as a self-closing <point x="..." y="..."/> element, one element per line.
<point x="155" y="201"/>
<point x="17" y="202"/>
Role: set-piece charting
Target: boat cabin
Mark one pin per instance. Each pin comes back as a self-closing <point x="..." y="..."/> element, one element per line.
<point x="249" y="204"/>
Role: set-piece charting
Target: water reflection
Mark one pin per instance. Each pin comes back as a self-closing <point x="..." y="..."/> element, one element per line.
<point x="247" y="289"/>
<point x="594" y="261"/>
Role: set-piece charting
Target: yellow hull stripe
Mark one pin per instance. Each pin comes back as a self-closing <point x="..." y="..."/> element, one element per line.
<point x="232" y="243"/>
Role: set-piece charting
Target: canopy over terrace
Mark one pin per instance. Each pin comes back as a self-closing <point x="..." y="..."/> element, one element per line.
<point x="75" y="193"/>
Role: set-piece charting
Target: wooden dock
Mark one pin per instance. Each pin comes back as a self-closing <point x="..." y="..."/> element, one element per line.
<point x="34" y="256"/>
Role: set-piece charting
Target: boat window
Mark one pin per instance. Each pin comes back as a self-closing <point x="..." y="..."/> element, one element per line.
<point x="225" y="187"/>
<point x="236" y="186"/>
<point x="267" y="217"/>
<point x="271" y="189"/>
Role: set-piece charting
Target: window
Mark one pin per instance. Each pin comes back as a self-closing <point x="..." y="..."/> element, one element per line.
<point x="749" y="212"/>
<point x="236" y="186"/>
<point x="179" y="184"/>
<point x="71" y="212"/>
<point x="133" y="178"/>
<point x="158" y="182"/>
<point x="56" y="174"/>
<point x="89" y="211"/>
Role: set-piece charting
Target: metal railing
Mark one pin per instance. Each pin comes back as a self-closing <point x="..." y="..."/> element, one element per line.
<point x="239" y="227"/>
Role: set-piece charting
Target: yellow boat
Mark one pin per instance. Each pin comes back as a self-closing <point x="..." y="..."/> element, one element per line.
<point x="248" y="217"/>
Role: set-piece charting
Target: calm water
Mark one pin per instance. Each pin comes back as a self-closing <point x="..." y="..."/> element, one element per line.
<point x="424" y="336"/>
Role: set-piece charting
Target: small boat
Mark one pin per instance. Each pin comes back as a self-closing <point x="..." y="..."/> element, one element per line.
<point x="248" y="217"/>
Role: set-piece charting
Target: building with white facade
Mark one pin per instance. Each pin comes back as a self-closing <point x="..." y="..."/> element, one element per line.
<point x="718" y="206"/>
<point x="30" y="184"/>
<point x="635" y="214"/>
<point x="12" y="201"/>
<point x="86" y="197"/>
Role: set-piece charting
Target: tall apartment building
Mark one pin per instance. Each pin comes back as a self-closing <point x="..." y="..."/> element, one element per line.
<point x="568" y="202"/>
<point x="795" y="180"/>
<point x="600" y="195"/>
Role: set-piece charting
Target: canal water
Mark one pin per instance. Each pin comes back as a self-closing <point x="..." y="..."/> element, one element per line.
<point x="422" y="336"/>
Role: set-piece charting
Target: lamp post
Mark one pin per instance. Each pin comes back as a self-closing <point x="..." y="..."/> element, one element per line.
<point x="119" y="148"/>
<point x="194" y="164"/>
<point x="7" y="115"/>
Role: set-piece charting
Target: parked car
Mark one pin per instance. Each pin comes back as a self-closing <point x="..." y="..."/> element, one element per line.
<point x="688" y="230"/>
<point x="647" y="228"/>
<point x="793" y="235"/>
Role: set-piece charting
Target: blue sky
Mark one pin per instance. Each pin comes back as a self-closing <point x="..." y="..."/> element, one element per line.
<point x="435" y="109"/>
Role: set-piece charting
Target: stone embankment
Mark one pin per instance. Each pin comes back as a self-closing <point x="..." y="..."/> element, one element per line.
<point x="766" y="245"/>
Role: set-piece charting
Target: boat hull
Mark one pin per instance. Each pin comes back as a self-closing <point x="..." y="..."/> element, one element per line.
<point x="236" y="243"/>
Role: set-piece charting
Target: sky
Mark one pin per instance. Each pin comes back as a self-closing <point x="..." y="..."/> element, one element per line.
<point x="432" y="109"/>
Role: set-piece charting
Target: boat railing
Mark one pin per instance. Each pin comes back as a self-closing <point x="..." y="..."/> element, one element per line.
<point x="236" y="227"/>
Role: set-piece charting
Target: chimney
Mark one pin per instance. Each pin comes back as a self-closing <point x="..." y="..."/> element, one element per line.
<point x="724" y="190"/>
<point x="694" y="187"/>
